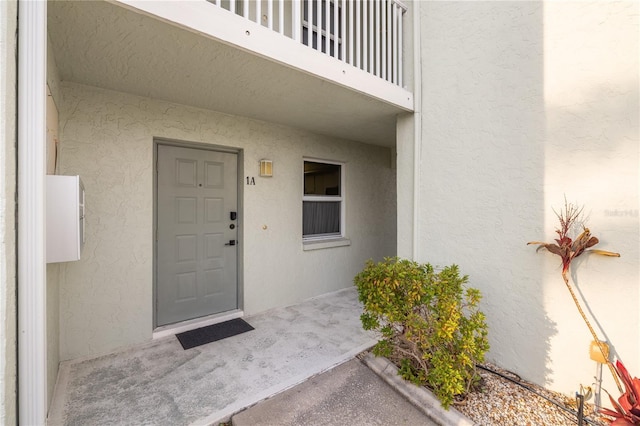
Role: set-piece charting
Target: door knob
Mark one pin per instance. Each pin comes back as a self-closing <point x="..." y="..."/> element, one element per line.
<point x="231" y="243"/>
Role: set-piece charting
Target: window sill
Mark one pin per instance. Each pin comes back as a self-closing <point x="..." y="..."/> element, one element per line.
<point x="323" y="244"/>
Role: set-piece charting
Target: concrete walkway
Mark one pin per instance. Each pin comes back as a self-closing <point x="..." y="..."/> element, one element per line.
<point x="350" y="394"/>
<point x="307" y="350"/>
<point x="159" y="383"/>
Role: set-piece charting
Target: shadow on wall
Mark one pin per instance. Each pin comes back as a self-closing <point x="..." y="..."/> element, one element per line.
<point x="593" y="157"/>
<point x="482" y="176"/>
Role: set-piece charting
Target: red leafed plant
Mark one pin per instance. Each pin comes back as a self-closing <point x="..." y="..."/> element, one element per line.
<point x="568" y="249"/>
<point x="627" y="407"/>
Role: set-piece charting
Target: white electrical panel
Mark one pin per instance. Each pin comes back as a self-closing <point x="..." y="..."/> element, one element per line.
<point x="65" y="218"/>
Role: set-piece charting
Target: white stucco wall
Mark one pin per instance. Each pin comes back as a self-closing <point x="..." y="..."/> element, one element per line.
<point x="592" y="154"/>
<point x="8" y="46"/>
<point x="523" y="103"/>
<point x="107" y="138"/>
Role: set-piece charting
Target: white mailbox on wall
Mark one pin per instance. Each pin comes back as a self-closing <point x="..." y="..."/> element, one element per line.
<point x="65" y="218"/>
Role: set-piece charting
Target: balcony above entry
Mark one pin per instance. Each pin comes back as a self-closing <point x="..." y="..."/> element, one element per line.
<point x="366" y="34"/>
<point x="336" y="67"/>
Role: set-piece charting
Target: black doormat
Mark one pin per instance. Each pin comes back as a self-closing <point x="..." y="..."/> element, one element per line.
<point x="211" y="333"/>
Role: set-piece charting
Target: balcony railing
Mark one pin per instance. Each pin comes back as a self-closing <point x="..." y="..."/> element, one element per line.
<point x="364" y="33"/>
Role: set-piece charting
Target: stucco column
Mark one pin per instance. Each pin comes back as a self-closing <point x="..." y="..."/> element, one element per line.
<point x="405" y="136"/>
<point x="409" y="146"/>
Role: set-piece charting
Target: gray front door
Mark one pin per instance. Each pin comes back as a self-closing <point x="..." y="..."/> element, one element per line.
<point x="196" y="264"/>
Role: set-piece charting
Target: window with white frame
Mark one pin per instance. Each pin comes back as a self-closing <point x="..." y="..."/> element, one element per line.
<point x="322" y="200"/>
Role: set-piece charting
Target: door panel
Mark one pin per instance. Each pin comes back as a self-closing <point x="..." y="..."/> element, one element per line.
<point x="196" y="267"/>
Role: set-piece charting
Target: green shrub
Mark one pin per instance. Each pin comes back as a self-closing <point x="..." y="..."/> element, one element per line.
<point x="429" y="322"/>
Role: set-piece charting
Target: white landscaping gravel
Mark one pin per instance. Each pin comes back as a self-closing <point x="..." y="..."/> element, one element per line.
<point x="502" y="402"/>
<point x="499" y="402"/>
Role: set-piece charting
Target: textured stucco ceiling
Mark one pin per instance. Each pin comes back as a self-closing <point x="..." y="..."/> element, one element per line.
<point x="105" y="45"/>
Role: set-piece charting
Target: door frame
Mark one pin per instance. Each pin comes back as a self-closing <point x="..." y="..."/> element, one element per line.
<point x="162" y="331"/>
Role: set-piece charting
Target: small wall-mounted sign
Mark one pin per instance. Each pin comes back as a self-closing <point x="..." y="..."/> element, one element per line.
<point x="251" y="180"/>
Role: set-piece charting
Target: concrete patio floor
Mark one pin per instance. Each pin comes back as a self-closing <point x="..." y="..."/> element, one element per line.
<point x="160" y="383"/>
